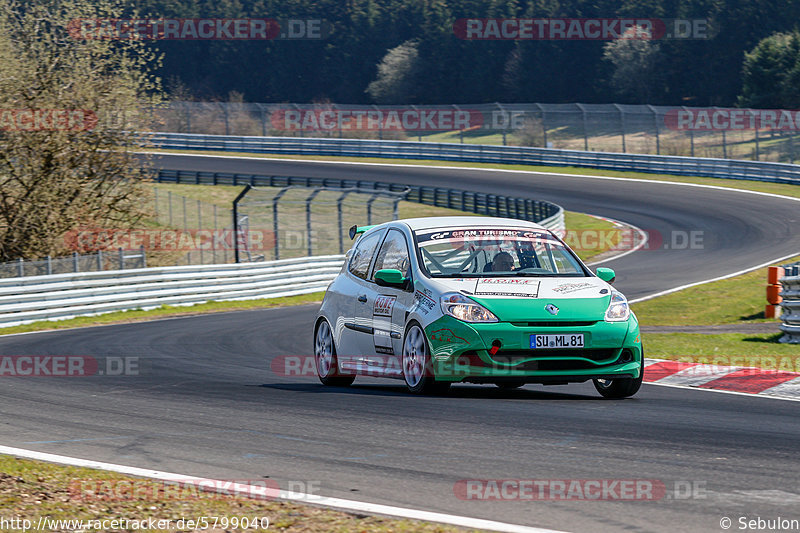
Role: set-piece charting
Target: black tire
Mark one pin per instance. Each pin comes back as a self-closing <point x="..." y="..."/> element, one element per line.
<point x="509" y="385"/>
<point x="416" y="362"/>
<point x="325" y="358"/>
<point x="616" y="389"/>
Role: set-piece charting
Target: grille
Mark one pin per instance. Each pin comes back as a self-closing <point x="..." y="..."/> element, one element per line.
<point x="513" y="357"/>
<point x="555" y="324"/>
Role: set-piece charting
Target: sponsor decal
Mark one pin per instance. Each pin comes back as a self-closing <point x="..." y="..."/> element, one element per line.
<point x="524" y="288"/>
<point x="384" y="305"/>
<point x="446" y="335"/>
<point x="424" y="300"/>
<point x="566" y="288"/>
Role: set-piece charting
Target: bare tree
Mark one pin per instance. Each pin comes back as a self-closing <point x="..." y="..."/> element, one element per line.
<point x="70" y="105"/>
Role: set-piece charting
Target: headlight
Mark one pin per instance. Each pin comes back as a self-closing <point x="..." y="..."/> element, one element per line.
<point x="618" y="309"/>
<point x="460" y="307"/>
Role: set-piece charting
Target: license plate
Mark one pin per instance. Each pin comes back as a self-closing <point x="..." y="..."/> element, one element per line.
<point x="557" y="341"/>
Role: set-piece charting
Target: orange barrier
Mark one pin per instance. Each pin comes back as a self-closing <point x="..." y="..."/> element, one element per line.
<point x="774" y="274"/>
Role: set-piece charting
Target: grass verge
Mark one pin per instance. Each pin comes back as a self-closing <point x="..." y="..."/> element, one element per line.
<point x="735" y="301"/>
<point x="33" y="489"/>
<point x="165" y="311"/>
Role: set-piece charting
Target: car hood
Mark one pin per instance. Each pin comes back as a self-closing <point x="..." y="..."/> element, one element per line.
<point x="536" y="299"/>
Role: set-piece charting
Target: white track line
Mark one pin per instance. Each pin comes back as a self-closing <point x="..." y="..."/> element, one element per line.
<point x="335" y="503"/>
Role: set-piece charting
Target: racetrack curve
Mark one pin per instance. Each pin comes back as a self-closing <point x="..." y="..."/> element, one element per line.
<point x="739" y="230"/>
<point x="208" y="404"/>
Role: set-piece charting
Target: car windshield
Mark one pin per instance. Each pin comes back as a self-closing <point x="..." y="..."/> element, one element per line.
<point x="495" y="252"/>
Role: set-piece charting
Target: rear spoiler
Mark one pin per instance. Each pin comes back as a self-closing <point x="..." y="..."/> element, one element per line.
<point x="358" y="230"/>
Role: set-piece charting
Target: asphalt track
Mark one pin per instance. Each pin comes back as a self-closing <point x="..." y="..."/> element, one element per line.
<point x="208" y="404"/>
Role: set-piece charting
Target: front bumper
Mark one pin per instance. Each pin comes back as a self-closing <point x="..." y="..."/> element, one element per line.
<point x="463" y="352"/>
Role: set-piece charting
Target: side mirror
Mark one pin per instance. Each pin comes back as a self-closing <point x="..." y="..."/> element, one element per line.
<point x="606" y="274"/>
<point x="391" y="277"/>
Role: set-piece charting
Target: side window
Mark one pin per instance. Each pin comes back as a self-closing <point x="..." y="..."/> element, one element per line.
<point x="359" y="262"/>
<point x="394" y="254"/>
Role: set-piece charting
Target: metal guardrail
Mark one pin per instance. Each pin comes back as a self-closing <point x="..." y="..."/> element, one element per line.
<point x="479" y="153"/>
<point x="790" y="305"/>
<point x="62" y="296"/>
<point x="547" y="214"/>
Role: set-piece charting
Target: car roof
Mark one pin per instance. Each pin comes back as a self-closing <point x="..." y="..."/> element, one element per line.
<point x="425" y="223"/>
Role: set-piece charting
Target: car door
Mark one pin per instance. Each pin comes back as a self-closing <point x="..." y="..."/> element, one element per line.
<point x="390" y="305"/>
<point x="357" y="321"/>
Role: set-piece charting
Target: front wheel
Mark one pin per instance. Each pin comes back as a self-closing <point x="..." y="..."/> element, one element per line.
<point x="417" y="370"/>
<point x="325" y="358"/>
<point x="622" y="387"/>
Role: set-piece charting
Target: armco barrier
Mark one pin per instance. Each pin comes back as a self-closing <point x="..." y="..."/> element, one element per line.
<point x="790" y="294"/>
<point x="61" y="296"/>
<point x="548" y="215"/>
<point x="481" y="153"/>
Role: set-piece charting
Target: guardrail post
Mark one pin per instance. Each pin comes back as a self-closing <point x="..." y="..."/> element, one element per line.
<point x="236" y="221"/>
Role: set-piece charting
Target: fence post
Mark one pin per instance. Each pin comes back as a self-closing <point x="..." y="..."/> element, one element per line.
<point x="155" y="191"/>
<point x="199" y="227"/>
<point x="339" y="219"/>
<point x="758" y="151"/>
<point x="544" y="123"/>
<point x="169" y="204"/>
<point x="236" y="221"/>
<point x="622" y="126"/>
<point x="75" y="261"/>
<point x="691" y="134"/>
<point x="658" y="129"/>
<point x="275" y="200"/>
<point x="724" y="145"/>
<point x="99" y="260"/>
<point x="144" y="257"/>
<point x="20" y="267"/>
<point x="214" y="238"/>
<point x="121" y="259"/>
<point x="49" y="265"/>
<point x="185" y="225"/>
<point x="309" y="200"/>
<point x="585" y="133"/>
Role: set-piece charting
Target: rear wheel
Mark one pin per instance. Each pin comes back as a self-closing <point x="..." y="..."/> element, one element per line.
<point x="325" y="357"/>
<point x="621" y="387"/>
<point x="417" y="370"/>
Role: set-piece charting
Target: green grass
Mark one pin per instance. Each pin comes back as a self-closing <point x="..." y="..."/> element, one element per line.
<point x="725" y="349"/>
<point x="773" y="188"/>
<point x="738" y="300"/>
<point x="33" y="489"/>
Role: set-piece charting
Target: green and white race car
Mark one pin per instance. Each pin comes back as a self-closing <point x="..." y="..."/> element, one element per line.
<point x="440" y="300"/>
